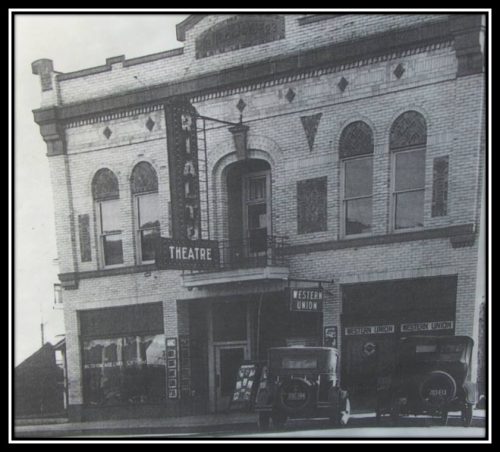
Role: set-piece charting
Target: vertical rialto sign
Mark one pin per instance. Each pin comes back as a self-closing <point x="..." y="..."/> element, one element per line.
<point x="182" y="148"/>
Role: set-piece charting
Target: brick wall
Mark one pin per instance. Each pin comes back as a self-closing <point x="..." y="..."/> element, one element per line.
<point x="298" y="37"/>
<point x="452" y="108"/>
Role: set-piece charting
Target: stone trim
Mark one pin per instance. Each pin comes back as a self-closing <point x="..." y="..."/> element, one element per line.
<point x="73" y="278"/>
<point x="120" y="59"/>
<point x="318" y="72"/>
<point x="318" y="17"/>
<point x="114" y="115"/>
<point x="154" y="57"/>
<point x="187" y="24"/>
<point x="425" y="234"/>
<point x="454" y="233"/>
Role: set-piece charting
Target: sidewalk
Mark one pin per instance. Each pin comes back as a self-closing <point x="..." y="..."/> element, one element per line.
<point x="202" y="423"/>
<point x="242" y="422"/>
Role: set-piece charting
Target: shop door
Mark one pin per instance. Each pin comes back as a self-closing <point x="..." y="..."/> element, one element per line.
<point x="368" y="360"/>
<point x="228" y="359"/>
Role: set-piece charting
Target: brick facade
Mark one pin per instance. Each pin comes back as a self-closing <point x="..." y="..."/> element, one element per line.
<point x="452" y="105"/>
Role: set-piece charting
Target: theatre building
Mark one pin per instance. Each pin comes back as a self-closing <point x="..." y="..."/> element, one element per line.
<point x="278" y="179"/>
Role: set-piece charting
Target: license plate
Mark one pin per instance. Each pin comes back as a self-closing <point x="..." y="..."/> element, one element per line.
<point x="296" y="396"/>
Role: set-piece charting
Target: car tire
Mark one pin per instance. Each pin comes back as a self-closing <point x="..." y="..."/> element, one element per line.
<point x="395" y="413"/>
<point x="306" y="387"/>
<point x="264" y="421"/>
<point x="345" y="412"/>
<point x="467" y="414"/>
<point x="279" y="420"/>
<point x="335" y="418"/>
<point x="447" y="380"/>
<point x="341" y="412"/>
<point x="444" y="417"/>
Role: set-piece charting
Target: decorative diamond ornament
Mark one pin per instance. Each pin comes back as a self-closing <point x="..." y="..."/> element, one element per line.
<point x="290" y="95"/>
<point x="343" y="84"/>
<point x="150" y="124"/>
<point x="399" y="71"/>
<point x="241" y="105"/>
<point x="107" y="132"/>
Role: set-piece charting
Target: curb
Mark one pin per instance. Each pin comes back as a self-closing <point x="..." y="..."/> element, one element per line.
<point x="167" y="430"/>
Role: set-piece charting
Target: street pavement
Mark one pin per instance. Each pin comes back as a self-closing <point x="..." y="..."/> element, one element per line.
<point x="244" y="426"/>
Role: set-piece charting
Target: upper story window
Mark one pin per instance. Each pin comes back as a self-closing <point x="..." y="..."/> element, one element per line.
<point x="356" y="153"/>
<point x="408" y="139"/>
<point x="106" y="195"/>
<point x="239" y="32"/>
<point x="144" y="183"/>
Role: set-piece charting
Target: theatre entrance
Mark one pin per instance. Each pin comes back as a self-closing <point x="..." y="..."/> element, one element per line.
<point x="228" y="359"/>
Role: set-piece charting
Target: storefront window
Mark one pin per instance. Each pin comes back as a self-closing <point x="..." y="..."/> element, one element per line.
<point x="124" y="370"/>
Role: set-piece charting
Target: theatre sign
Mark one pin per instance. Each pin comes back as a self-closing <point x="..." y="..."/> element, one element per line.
<point x="187" y="254"/>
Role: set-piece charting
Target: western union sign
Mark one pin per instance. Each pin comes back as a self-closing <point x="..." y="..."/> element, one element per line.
<point x="307" y="300"/>
<point x="426" y="326"/>
<point x="375" y="329"/>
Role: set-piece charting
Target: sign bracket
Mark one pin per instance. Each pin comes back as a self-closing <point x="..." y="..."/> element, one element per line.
<point x="319" y="282"/>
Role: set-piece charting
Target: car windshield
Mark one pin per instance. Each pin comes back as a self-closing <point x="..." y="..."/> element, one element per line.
<point x="435" y="352"/>
<point x="299" y="363"/>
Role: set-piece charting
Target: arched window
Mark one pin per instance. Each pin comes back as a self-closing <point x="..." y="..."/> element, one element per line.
<point x="356" y="153"/>
<point x="144" y="185"/>
<point x="106" y="196"/>
<point x="408" y="139"/>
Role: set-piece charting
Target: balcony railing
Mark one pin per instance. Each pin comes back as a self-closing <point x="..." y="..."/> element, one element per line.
<point x="258" y="250"/>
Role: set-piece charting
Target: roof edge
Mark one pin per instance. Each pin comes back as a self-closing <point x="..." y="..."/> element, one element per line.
<point x="187" y="24"/>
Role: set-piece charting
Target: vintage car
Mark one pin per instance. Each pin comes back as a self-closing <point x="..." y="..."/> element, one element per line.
<point x="431" y="377"/>
<point x="300" y="382"/>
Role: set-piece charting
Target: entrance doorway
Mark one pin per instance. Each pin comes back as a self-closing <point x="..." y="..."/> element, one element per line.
<point x="249" y="212"/>
<point x="228" y="359"/>
<point x="256" y="217"/>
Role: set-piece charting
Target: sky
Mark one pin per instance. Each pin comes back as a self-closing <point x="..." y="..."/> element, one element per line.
<point x="72" y="42"/>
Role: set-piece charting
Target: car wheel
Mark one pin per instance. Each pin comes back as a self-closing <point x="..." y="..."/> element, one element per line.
<point x="264" y="421"/>
<point x="335" y="416"/>
<point x="395" y="413"/>
<point x="345" y="413"/>
<point x="279" y="420"/>
<point x="467" y="413"/>
<point x="444" y="417"/>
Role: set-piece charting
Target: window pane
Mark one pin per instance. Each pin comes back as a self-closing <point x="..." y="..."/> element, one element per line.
<point x="358" y="177"/>
<point x="257" y="217"/>
<point x="410" y="170"/>
<point x="113" y="251"/>
<point x="358" y="216"/>
<point x="102" y="362"/>
<point x="256" y="188"/>
<point x="125" y="370"/>
<point x="148" y="244"/>
<point x="111" y="216"/>
<point x="148" y="211"/>
<point x="410" y="209"/>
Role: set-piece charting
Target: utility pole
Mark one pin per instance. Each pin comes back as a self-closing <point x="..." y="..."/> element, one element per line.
<point x="41" y="325"/>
